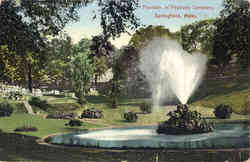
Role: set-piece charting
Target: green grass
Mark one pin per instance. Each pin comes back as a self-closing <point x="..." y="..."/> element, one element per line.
<point x="211" y="93"/>
<point x="234" y="92"/>
<point x="45" y="126"/>
<point x="23" y="146"/>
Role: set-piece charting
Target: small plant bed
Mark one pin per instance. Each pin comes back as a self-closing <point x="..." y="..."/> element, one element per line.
<point x="130" y="116"/>
<point x="17" y="96"/>
<point x="61" y="115"/>
<point x="26" y="129"/>
<point x="74" y="123"/>
<point x="36" y="101"/>
<point x="183" y="121"/>
<point x="146" y="108"/>
<point x="223" y="111"/>
<point x="6" y="109"/>
<point x="92" y="113"/>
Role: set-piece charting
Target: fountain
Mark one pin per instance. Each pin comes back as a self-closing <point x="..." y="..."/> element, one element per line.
<point x="172" y="73"/>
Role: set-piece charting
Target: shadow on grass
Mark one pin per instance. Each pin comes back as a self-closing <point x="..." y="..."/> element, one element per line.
<point x="218" y="88"/>
<point x="17" y="147"/>
<point x="129" y="104"/>
<point x="75" y="129"/>
<point x="54" y="95"/>
<point x="97" y="99"/>
<point x="209" y="117"/>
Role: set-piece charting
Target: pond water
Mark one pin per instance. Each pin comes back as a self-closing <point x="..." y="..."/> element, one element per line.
<point x="236" y="135"/>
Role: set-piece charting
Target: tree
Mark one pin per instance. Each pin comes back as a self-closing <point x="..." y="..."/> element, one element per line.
<point x="232" y="31"/>
<point x="101" y="52"/>
<point x="23" y="32"/>
<point x="9" y="71"/>
<point x="60" y="54"/>
<point x="82" y="74"/>
<point x="118" y="16"/>
<point x="26" y="25"/>
<point x="144" y="35"/>
<point x="122" y="64"/>
<point x="198" y="36"/>
<point x="83" y="46"/>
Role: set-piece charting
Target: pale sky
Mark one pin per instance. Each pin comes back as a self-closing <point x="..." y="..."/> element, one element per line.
<point x="173" y="14"/>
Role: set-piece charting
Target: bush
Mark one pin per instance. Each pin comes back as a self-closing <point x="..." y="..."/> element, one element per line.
<point x="92" y="113"/>
<point x="36" y="101"/>
<point x="246" y="108"/>
<point x="16" y="96"/>
<point x="223" y="111"/>
<point x="82" y="100"/>
<point x="130" y="116"/>
<point x="64" y="107"/>
<point x="61" y="115"/>
<point x="146" y="107"/>
<point x="6" y="109"/>
<point x="26" y="129"/>
<point x="74" y="123"/>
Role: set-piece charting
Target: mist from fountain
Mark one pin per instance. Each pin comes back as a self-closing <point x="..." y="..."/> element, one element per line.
<point x="171" y="71"/>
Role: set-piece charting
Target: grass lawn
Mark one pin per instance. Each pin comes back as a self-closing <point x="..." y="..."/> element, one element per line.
<point x="23" y="146"/>
<point x="45" y="126"/>
<point x="234" y="92"/>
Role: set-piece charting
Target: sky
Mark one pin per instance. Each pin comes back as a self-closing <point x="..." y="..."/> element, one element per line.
<point x="170" y="13"/>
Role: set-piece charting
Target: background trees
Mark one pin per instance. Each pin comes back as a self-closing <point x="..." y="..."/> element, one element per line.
<point x="101" y="51"/>
<point x="232" y="32"/>
<point x="82" y="74"/>
<point x="198" y="36"/>
<point x="145" y="34"/>
<point x="60" y="53"/>
<point x="27" y="25"/>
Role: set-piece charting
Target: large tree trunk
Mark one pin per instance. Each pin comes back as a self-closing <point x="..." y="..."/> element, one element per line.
<point x="30" y="81"/>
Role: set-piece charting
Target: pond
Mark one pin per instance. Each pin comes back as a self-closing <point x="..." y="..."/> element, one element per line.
<point x="224" y="136"/>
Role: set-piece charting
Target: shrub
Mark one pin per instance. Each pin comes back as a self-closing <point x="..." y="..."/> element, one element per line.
<point x="245" y="108"/>
<point x="16" y="96"/>
<point x="92" y="113"/>
<point x="146" y="107"/>
<point x="20" y="107"/>
<point x="61" y="115"/>
<point x="26" y="129"/>
<point x="223" y="111"/>
<point x="130" y="116"/>
<point x="6" y="109"/>
<point x="64" y="107"/>
<point x="36" y="101"/>
<point x="74" y="123"/>
<point x="82" y="100"/>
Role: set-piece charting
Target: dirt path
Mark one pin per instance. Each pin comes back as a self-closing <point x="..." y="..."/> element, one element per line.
<point x="28" y="107"/>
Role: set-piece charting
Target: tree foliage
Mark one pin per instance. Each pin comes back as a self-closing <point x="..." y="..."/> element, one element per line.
<point x="60" y="53"/>
<point x="101" y="50"/>
<point x="118" y="16"/>
<point x="9" y="66"/>
<point x="198" y="36"/>
<point x="232" y="32"/>
<point x="26" y="25"/>
<point x="82" y="74"/>
<point x="145" y="34"/>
